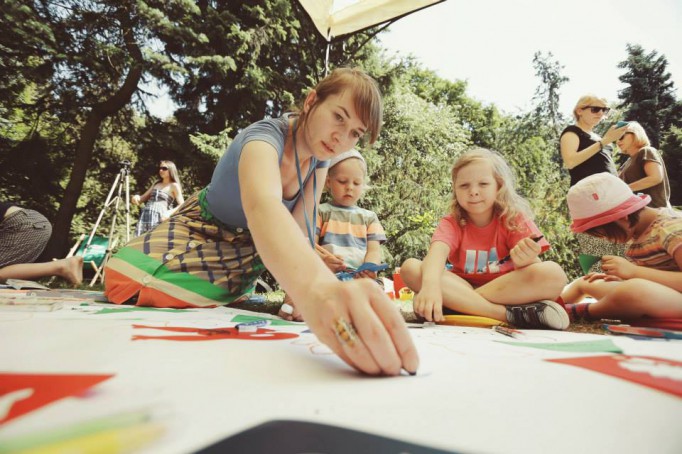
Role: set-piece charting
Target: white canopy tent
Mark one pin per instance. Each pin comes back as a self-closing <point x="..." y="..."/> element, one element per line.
<point x="337" y="19"/>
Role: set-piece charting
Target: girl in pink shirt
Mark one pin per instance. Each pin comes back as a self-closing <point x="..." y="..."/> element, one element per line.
<point x="493" y="245"/>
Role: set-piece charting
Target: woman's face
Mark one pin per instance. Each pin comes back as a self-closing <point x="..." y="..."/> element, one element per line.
<point x="594" y="113"/>
<point x="627" y="144"/>
<point x="332" y="126"/>
<point x="163" y="170"/>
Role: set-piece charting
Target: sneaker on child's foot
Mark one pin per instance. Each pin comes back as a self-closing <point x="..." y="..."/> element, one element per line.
<point x="542" y="314"/>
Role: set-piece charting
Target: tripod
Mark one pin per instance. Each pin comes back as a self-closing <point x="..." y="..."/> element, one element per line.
<point x="122" y="178"/>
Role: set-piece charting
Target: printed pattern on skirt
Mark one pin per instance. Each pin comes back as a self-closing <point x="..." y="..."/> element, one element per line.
<point x="23" y="237"/>
<point x="183" y="262"/>
<point x="599" y="247"/>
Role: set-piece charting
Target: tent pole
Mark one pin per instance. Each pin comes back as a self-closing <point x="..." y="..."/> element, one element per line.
<point x="326" y="55"/>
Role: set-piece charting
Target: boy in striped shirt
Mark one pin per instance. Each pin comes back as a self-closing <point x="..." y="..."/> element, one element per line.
<point x="348" y="236"/>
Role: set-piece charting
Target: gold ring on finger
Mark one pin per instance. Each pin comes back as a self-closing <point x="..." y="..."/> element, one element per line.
<point x="345" y="332"/>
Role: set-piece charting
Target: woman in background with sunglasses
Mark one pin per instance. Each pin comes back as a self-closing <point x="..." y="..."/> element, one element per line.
<point x="585" y="153"/>
<point x="159" y="198"/>
<point x="644" y="171"/>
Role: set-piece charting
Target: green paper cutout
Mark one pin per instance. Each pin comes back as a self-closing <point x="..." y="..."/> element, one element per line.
<point x="137" y="309"/>
<point x="586" y="261"/>
<point x="253" y="318"/>
<point x="593" y="346"/>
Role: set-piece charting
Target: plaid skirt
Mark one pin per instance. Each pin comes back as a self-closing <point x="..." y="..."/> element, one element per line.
<point x="189" y="260"/>
<point x="23" y="237"/>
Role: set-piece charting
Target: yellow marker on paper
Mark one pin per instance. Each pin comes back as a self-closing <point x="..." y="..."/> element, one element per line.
<point x="469" y="320"/>
<point x="114" y="441"/>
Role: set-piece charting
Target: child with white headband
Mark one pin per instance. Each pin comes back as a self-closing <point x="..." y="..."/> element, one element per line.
<point x="648" y="282"/>
<point x="352" y="235"/>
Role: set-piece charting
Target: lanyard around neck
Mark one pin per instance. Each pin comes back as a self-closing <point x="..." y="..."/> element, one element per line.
<point x="310" y="228"/>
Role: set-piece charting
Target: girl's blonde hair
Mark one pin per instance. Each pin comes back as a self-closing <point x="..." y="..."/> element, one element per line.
<point x="641" y="139"/>
<point x="588" y="100"/>
<point x="508" y="203"/>
<point x="366" y="96"/>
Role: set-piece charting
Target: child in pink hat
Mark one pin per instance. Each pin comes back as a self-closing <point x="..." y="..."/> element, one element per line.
<point x="645" y="284"/>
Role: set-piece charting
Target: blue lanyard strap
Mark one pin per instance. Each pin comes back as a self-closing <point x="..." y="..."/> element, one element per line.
<point x="311" y="229"/>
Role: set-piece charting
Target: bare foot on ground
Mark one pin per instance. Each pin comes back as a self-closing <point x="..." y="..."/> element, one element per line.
<point x="71" y="269"/>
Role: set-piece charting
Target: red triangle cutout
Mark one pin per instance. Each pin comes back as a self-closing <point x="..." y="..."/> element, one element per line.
<point x="23" y="393"/>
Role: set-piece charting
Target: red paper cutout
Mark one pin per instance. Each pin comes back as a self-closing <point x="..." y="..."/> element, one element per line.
<point x="23" y="393"/>
<point x="215" y="334"/>
<point x="657" y="373"/>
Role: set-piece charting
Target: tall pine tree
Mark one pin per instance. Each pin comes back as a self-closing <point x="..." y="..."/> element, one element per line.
<point x="649" y="96"/>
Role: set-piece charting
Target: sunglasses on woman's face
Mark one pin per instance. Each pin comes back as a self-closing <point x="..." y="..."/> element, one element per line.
<point x="163" y="168"/>
<point x="597" y="109"/>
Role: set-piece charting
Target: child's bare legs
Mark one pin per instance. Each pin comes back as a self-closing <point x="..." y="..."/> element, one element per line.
<point x="458" y="294"/>
<point x="533" y="283"/>
<point x="539" y="281"/>
<point x="577" y="290"/>
<point x="634" y="298"/>
<point x="70" y="268"/>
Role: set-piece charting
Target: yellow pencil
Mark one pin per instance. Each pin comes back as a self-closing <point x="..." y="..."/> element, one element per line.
<point x="113" y="441"/>
<point x="469" y="320"/>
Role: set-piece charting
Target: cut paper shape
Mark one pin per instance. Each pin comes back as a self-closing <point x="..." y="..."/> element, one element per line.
<point x="21" y="284"/>
<point x="254" y="318"/>
<point x="203" y="334"/>
<point x="593" y="346"/>
<point x="586" y="261"/>
<point x="23" y="393"/>
<point x="123" y="309"/>
<point x="657" y="373"/>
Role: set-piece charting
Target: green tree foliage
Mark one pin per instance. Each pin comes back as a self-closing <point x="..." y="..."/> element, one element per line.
<point x="547" y="94"/>
<point x="649" y="96"/>
<point x="254" y="59"/>
<point x="409" y="171"/>
<point x="481" y="121"/>
<point x="671" y="149"/>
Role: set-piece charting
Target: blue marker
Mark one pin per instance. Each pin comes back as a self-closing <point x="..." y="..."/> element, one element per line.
<point x="350" y="272"/>
<point x="252" y="326"/>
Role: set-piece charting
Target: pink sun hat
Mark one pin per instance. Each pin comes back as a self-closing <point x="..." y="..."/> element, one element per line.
<point x="601" y="198"/>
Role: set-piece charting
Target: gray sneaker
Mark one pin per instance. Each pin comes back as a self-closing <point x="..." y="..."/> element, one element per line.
<point x="541" y="314"/>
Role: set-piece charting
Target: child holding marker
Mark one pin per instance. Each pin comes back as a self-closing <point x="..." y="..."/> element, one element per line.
<point x="349" y="236"/>
<point x="488" y="221"/>
<point x="648" y="282"/>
